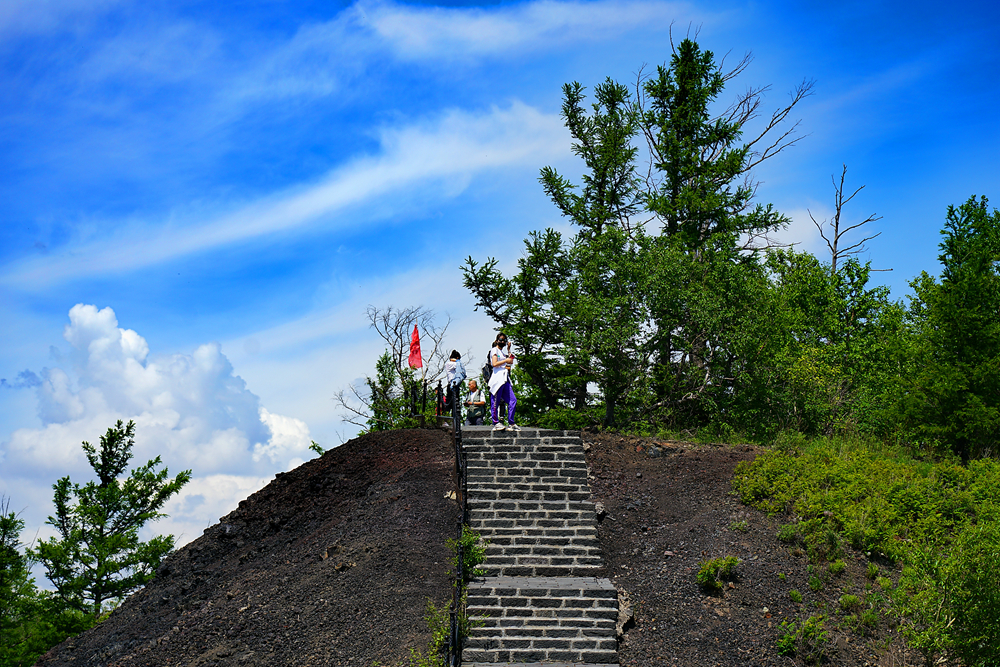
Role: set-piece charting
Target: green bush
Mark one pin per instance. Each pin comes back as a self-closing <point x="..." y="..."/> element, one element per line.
<point x="837" y="567"/>
<point x="810" y="639"/>
<point x="713" y="572"/>
<point x="566" y="419"/>
<point x="473" y="553"/>
<point x="849" y="602"/>
<point x="788" y="533"/>
<point x="795" y="596"/>
<point x="949" y="603"/>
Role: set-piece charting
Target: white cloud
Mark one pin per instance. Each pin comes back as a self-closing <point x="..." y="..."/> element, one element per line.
<point x="39" y="16"/>
<point x="457" y="33"/>
<point x="802" y="232"/>
<point x="192" y="410"/>
<point x="447" y="151"/>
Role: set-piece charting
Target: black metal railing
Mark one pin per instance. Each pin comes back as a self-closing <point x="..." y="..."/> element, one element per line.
<point x="454" y="654"/>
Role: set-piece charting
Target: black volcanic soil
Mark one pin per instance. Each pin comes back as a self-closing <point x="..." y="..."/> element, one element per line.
<point x="332" y="564"/>
<point x="668" y="513"/>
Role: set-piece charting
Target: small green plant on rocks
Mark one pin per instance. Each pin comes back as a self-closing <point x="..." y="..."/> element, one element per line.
<point x="473" y="554"/>
<point x="741" y="526"/>
<point x="788" y="533"/>
<point x="849" y="603"/>
<point x="795" y="596"/>
<point x="837" y="567"/>
<point x="808" y="639"/>
<point x="714" y="571"/>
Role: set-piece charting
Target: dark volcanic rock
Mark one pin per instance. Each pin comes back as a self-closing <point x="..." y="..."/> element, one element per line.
<point x="330" y="564"/>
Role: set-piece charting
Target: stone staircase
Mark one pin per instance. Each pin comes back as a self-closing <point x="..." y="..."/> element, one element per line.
<point x="540" y="602"/>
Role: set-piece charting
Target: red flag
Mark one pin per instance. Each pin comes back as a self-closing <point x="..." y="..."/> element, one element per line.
<point x="415" y="360"/>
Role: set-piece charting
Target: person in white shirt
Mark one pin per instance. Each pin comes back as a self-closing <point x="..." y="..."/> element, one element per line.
<point x="500" y="387"/>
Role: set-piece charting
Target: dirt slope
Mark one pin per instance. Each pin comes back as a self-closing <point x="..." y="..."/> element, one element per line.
<point x="330" y="564"/>
<point x="669" y="507"/>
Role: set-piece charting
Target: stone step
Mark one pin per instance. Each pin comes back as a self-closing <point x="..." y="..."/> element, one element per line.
<point x="567" y="540"/>
<point x="487" y="433"/>
<point x="526" y="568"/>
<point x="536" y="664"/>
<point x="525" y="619"/>
<point x="540" y="603"/>
<point x="482" y="495"/>
<point x="576" y="536"/>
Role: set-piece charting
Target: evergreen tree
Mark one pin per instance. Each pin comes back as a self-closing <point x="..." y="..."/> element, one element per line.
<point x="98" y="558"/>
<point x="952" y="397"/>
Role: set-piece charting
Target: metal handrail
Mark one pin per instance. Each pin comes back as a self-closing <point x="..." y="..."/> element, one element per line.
<point x="454" y="657"/>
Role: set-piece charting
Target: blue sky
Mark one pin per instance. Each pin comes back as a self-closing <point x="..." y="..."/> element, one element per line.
<point x="198" y="200"/>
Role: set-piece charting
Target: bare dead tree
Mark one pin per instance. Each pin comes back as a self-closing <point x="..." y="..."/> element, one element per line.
<point x="834" y="240"/>
<point x="395" y="327"/>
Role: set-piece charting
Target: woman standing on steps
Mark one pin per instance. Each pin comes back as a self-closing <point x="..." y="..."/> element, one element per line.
<point x="500" y="387"/>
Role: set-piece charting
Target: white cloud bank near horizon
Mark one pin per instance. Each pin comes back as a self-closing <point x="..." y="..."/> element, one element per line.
<point x="192" y="410"/>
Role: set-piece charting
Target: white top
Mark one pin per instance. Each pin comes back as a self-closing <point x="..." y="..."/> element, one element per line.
<point x="500" y="373"/>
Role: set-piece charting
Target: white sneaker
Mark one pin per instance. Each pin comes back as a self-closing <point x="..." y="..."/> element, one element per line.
<point x="498" y="427"/>
<point x="514" y="427"/>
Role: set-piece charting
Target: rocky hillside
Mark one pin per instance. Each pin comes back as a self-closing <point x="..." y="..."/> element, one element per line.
<point x="330" y="564"/>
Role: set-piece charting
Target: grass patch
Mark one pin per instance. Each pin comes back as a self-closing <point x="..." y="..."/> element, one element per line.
<point x="939" y="519"/>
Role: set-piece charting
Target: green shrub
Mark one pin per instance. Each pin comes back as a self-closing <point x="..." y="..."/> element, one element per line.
<point x="473" y="553"/>
<point x="815" y="584"/>
<point x="810" y="639"/>
<point x="813" y="639"/>
<point x="741" y="526"/>
<point x="713" y="572"/>
<point x="868" y="620"/>
<point x="837" y="567"/>
<point x="795" y="596"/>
<point x="788" y="639"/>
<point x="849" y="603"/>
<point x="788" y="533"/>
<point x="566" y="419"/>
<point x="872" y="572"/>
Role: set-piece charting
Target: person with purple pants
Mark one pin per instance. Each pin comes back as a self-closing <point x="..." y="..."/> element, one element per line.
<point x="501" y="390"/>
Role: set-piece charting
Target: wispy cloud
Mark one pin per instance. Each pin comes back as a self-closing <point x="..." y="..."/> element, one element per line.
<point x="509" y="30"/>
<point x="457" y="145"/>
<point x="39" y="16"/>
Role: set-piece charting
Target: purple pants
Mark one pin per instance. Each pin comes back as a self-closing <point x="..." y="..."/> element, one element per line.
<point x="506" y="395"/>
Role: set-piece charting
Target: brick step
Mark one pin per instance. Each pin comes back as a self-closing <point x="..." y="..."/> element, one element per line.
<point x="536" y="664"/>
<point x="513" y="494"/>
<point x="569" y="541"/>
<point x="515" y="448"/>
<point x="530" y="484"/>
<point x="544" y="595"/>
<point x="528" y="536"/>
<point x="487" y="433"/>
<point x="531" y="467"/>
<point x="545" y="549"/>
<point x="576" y="648"/>
<point x="525" y="568"/>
